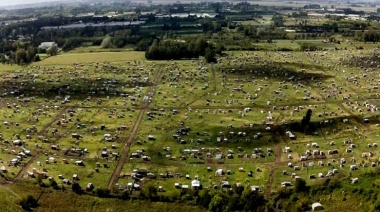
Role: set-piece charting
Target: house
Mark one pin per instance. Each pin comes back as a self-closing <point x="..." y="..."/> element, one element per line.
<point x="316" y="206"/>
<point x="47" y="45"/>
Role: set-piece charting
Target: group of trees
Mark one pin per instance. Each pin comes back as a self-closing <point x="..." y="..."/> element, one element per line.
<point x="371" y="36"/>
<point x="262" y="33"/>
<point x="278" y="20"/>
<point x="122" y="38"/>
<point x="174" y="49"/>
<point x="20" y="53"/>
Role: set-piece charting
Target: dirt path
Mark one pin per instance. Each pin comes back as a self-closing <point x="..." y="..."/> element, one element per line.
<point x="10" y="191"/>
<point x="123" y="157"/>
<point x="42" y="131"/>
<point x="25" y="167"/>
<point x="213" y="81"/>
<point x="55" y="119"/>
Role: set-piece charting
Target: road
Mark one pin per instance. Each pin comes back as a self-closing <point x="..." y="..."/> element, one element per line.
<point x="125" y="152"/>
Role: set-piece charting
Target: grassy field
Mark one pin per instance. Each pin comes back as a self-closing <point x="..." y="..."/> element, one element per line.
<point x="233" y="115"/>
<point x="70" y="58"/>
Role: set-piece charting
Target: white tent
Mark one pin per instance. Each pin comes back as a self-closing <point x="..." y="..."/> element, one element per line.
<point x="316" y="206"/>
<point x="195" y="184"/>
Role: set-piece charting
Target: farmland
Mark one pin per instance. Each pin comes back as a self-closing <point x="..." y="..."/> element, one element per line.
<point x="196" y="119"/>
<point x="220" y="107"/>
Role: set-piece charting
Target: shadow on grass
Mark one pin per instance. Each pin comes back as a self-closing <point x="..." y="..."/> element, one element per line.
<point x="366" y="61"/>
<point x="291" y="72"/>
<point x="77" y="89"/>
<point x="257" y="135"/>
<point x="335" y="124"/>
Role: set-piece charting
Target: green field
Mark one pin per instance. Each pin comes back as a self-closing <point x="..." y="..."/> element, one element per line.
<point x="238" y="113"/>
<point x="70" y="58"/>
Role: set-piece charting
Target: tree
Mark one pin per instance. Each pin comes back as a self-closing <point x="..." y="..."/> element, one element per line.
<point x="200" y="46"/>
<point x="210" y="55"/>
<point x="300" y="186"/>
<point x="30" y="54"/>
<point x="204" y="198"/>
<point x="252" y="200"/>
<point x="52" y="50"/>
<point x="278" y="20"/>
<point x="217" y="203"/>
<point x="219" y="48"/>
<point x="149" y="191"/>
<point x="37" y="58"/>
<point x="21" y="57"/>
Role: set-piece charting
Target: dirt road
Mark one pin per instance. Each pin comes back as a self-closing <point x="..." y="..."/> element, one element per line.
<point x="125" y="152"/>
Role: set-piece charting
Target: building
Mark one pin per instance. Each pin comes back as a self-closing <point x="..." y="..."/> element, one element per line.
<point x="47" y="45"/>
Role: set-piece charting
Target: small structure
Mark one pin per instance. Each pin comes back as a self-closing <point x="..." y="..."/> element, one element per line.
<point x="354" y="180"/>
<point x="219" y="172"/>
<point x="47" y="45"/>
<point x="90" y="186"/>
<point x="79" y="163"/>
<point x="317" y="206"/>
<point x="255" y="188"/>
<point x="196" y="184"/>
<point x="286" y="184"/>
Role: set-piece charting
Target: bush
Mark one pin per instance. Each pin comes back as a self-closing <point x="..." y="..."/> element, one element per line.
<point x="76" y="188"/>
<point x="102" y="192"/>
<point x="28" y="203"/>
<point x="308" y="47"/>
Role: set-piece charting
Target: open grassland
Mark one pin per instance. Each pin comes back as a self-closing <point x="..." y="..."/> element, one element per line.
<point x="70" y="58"/>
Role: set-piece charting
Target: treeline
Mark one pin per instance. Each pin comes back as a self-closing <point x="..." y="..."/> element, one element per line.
<point x="262" y="33"/>
<point x="20" y="53"/>
<point x="368" y="36"/>
<point x="179" y="49"/>
<point x="119" y="39"/>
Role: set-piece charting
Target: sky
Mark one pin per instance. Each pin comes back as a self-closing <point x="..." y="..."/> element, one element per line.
<point x="18" y="2"/>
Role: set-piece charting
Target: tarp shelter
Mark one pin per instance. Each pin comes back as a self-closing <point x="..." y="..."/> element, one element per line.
<point x="195" y="184"/>
<point x="316" y="206"/>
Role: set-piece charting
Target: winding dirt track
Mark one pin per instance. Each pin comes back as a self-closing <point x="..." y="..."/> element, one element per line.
<point x="123" y="157"/>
